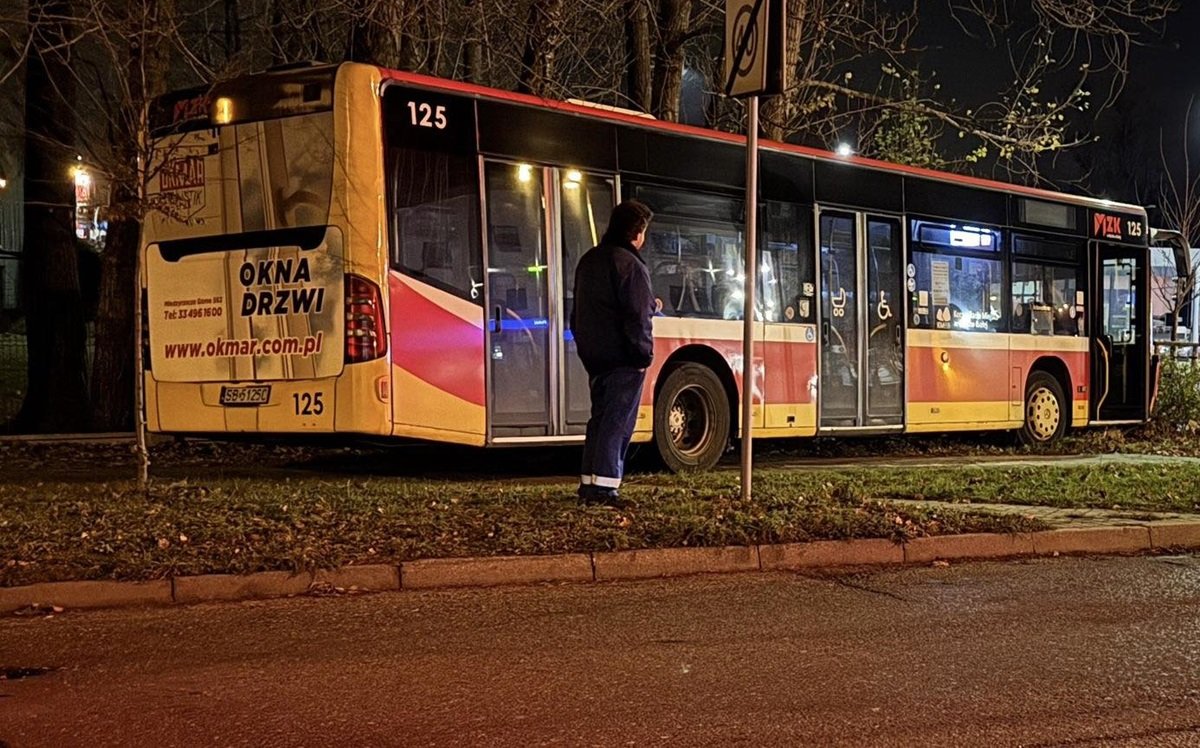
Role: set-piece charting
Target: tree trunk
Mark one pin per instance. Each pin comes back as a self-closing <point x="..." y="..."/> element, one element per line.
<point x="145" y="68"/>
<point x="543" y="35"/>
<point x="473" y="44"/>
<point x="233" y="28"/>
<point x="778" y="110"/>
<point x="56" y="399"/>
<point x="637" y="50"/>
<point x="112" y="365"/>
<point x="674" y="17"/>
<point x="377" y="33"/>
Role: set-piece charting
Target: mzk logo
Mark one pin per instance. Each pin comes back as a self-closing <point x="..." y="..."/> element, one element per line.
<point x="1106" y="226"/>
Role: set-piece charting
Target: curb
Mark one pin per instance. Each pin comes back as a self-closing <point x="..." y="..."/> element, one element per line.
<point x="445" y="573"/>
<point x="496" y="570"/>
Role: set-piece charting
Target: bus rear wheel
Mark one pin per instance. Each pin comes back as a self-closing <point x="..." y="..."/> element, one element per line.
<point x="1046" y="413"/>
<point x="691" y="419"/>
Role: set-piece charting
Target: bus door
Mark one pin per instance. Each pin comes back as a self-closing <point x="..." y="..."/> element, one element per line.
<point x="862" y="328"/>
<point x="539" y="221"/>
<point x="1120" y="309"/>
<point x="585" y="202"/>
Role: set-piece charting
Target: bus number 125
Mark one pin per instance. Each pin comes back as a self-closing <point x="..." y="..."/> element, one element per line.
<point x="308" y="403"/>
<point x="424" y="115"/>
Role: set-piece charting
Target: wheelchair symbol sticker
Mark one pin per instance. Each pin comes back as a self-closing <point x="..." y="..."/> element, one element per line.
<point x="882" y="308"/>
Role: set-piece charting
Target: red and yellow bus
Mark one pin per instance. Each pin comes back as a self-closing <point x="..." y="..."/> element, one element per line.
<point x="351" y="250"/>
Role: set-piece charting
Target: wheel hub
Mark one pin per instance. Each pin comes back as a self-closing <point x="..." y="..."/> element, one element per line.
<point x="1043" y="414"/>
<point x="675" y="421"/>
<point x="688" y="420"/>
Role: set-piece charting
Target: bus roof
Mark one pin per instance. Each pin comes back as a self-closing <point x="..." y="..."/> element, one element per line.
<point x="638" y="120"/>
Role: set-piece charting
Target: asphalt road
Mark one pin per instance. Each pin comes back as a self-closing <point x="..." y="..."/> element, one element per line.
<point x="1058" y="652"/>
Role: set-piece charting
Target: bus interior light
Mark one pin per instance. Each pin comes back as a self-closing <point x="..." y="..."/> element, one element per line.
<point x="969" y="236"/>
<point x="524" y="172"/>
<point x="572" y="179"/>
<point x="222" y="111"/>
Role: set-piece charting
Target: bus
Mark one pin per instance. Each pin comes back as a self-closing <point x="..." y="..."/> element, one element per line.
<point x="349" y="250"/>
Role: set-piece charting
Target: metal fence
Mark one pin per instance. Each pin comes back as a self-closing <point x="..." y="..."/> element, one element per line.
<point x="1179" y="349"/>
<point x="13" y="371"/>
<point x="12" y="217"/>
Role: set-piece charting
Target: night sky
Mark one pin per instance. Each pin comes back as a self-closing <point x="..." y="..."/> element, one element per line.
<point x="1163" y="73"/>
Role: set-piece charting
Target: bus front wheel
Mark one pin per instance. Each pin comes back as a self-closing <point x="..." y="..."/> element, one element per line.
<point x="691" y="419"/>
<point x="1046" y="412"/>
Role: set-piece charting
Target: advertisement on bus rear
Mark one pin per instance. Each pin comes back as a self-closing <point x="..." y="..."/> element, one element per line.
<point x="263" y="313"/>
<point x="244" y="278"/>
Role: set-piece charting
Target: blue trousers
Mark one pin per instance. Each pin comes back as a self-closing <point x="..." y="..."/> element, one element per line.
<point x="615" y="397"/>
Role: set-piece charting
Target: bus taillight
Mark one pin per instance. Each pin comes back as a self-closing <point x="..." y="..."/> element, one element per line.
<point x="365" y="338"/>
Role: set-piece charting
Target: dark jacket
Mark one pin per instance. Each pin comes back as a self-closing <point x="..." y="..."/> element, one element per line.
<point x="614" y="304"/>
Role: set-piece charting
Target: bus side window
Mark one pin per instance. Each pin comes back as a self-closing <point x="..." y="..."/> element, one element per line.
<point x="695" y="252"/>
<point x="957" y="280"/>
<point x="434" y="203"/>
<point x="1044" y="299"/>
<point x="786" y="264"/>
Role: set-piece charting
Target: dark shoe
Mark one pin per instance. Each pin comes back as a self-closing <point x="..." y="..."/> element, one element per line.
<point x="610" y="497"/>
<point x="593" y="494"/>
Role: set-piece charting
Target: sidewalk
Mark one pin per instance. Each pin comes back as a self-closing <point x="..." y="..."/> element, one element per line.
<point x="1076" y="531"/>
<point x="1060" y="517"/>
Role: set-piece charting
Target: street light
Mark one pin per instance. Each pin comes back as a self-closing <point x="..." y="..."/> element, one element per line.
<point x="844" y="150"/>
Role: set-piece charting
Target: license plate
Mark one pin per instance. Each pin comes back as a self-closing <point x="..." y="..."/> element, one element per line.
<point x="259" y="394"/>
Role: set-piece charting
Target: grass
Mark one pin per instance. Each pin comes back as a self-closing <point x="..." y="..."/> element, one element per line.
<point x="1144" y="487"/>
<point x="56" y="531"/>
<point x="70" y="511"/>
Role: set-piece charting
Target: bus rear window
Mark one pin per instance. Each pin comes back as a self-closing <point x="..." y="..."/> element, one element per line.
<point x="250" y="177"/>
<point x="285" y="170"/>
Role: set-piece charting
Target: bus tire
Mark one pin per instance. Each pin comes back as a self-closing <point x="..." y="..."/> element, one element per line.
<point x="1046" y="412"/>
<point x="691" y="419"/>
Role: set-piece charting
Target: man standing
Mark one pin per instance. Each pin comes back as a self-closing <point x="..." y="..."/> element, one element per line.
<point x="611" y="321"/>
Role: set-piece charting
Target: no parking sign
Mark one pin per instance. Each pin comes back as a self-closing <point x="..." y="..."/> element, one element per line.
<point x="754" y="44"/>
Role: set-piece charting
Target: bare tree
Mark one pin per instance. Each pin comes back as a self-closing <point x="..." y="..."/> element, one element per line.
<point x="139" y="60"/>
<point x="674" y="22"/>
<point x="543" y="37"/>
<point x="639" y="56"/>
<point x="855" y="66"/>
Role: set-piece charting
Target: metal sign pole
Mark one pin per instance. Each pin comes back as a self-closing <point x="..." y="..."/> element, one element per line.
<point x="748" y="294"/>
